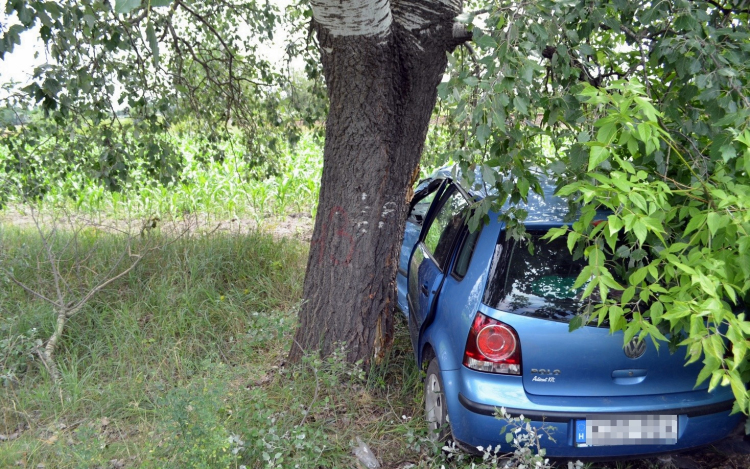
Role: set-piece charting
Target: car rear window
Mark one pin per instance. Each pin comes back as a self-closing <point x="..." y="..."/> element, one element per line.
<point x="538" y="284"/>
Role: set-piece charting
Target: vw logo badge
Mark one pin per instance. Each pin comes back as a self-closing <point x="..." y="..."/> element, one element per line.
<point x="635" y="349"/>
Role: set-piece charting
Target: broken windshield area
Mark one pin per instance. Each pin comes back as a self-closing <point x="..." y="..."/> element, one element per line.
<point x="538" y="284"/>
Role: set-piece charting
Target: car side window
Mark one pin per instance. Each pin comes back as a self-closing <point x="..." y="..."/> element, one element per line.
<point x="422" y="200"/>
<point x="468" y="244"/>
<point x="445" y="228"/>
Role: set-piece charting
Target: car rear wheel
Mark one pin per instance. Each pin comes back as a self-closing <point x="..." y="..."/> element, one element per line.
<point x="435" y="407"/>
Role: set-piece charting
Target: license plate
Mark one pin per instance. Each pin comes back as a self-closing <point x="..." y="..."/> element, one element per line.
<point x="616" y="430"/>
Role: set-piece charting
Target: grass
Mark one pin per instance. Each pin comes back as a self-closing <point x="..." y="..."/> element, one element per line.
<point x="183" y="362"/>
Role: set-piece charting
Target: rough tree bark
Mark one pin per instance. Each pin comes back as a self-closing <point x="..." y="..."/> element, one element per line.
<point x="382" y="60"/>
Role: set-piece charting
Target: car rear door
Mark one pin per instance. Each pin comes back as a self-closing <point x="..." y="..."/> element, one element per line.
<point x="432" y="256"/>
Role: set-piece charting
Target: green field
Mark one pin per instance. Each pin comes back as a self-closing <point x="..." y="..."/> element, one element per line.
<point x="224" y="187"/>
<point x="182" y="362"/>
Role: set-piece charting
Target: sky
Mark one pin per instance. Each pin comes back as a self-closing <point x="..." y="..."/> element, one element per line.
<point x="19" y="65"/>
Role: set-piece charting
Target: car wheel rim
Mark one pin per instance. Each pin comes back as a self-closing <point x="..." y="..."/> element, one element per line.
<point x="433" y="402"/>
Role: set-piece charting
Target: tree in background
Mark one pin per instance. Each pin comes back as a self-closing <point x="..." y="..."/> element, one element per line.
<point x="121" y="73"/>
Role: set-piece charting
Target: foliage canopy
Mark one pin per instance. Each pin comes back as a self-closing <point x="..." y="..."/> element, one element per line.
<point x="641" y="109"/>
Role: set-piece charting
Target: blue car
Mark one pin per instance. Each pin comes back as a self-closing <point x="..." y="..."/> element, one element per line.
<point x="489" y="321"/>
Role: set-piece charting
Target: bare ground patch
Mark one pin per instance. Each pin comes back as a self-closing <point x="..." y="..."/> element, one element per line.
<point x="296" y="225"/>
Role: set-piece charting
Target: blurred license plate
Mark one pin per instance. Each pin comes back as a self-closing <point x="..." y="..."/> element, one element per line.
<point x="619" y="429"/>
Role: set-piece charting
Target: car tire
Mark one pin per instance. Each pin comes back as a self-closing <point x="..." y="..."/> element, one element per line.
<point x="435" y="407"/>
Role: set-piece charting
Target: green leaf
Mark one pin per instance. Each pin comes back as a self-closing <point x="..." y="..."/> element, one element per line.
<point x="596" y="156"/>
<point x="575" y="323"/>
<point x="638" y="276"/>
<point x="488" y="175"/>
<point x="583" y="277"/>
<point x="710" y="364"/>
<point x="716" y="221"/>
<point x="630" y="332"/>
<point x="694" y="223"/>
<point x="639" y="228"/>
<point x="554" y="233"/>
<point x="161" y="3"/>
<point x="738" y="388"/>
<point x="644" y="132"/>
<point x="627" y="295"/>
<point x="123" y="7"/>
<point x="153" y="42"/>
<point x="657" y="309"/>
<point x="614" y="223"/>
<point x="615" y="313"/>
<point x="639" y="201"/>
<point x="523" y="187"/>
<point x="727" y="152"/>
<point x="485" y="42"/>
<point x="483" y="133"/>
<point x="715" y="380"/>
<point x="606" y="133"/>
<point x="521" y="103"/>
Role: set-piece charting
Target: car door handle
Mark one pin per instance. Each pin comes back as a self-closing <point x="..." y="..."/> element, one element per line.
<point x="424" y="289"/>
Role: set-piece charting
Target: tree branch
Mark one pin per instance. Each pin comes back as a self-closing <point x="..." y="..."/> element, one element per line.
<point x="32" y="292"/>
<point x="50" y="258"/>
<point x="138" y="257"/>
<point x="727" y="11"/>
<point x="461" y="34"/>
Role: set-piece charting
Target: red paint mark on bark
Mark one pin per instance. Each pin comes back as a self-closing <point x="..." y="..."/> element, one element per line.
<point x="342" y="232"/>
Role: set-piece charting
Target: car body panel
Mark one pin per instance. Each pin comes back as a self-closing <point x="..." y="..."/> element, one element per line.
<point x="479" y="429"/>
<point x="424" y="194"/>
<point x="455" y="312"/>
<point x="426" y="274"/>
<point x="411" y="236"/>
<point x="425" y="280"/>
<point x="593" y="362"/>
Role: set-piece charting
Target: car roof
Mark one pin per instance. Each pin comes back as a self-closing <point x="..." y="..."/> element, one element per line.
<point x="546" y="209"/>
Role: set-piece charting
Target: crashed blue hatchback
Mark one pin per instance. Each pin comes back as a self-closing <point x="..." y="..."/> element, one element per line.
<point x="490" y="322"/>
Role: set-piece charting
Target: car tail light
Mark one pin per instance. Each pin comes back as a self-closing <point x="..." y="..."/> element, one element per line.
<point x="492" y="347"/>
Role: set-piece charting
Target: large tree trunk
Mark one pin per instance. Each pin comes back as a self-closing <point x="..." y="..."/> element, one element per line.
<point x="382" y="62"/>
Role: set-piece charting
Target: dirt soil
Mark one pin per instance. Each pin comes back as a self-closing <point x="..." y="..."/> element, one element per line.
<point x="296" y="225"/>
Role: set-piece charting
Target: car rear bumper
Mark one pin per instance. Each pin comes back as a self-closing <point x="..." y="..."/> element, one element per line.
<point x="703" y="418"/>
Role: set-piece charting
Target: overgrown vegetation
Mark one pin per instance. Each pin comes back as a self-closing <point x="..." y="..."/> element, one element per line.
<point x="182" y="364"/>
<point x="224" y="188"/>
<point x="645" y="106"/>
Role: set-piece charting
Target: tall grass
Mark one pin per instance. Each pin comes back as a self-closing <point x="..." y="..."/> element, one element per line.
<point x="229" y="187"/>
<point x="182" y="364"/>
